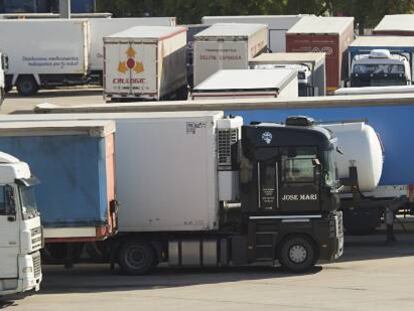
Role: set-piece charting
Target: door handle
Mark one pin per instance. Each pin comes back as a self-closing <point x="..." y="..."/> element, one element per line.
<point x="11" y="218"/>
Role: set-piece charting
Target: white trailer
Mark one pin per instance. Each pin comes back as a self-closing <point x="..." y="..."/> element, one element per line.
<point x="145" y="62"/>
<point x="44" y="53"/>
<point x="20" y="229"/>
<point x="311" y="69"/>
<point x="101" y="27"/>
<point x="278" y="26"/>
<point x="227" y="46"/>
<point x="246" y="83"/>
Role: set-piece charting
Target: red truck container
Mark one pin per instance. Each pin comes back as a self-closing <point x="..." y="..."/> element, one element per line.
<point x="396" y="25"/>
<point x="330" y="35"/>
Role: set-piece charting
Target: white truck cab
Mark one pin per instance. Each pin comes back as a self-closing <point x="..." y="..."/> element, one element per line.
<point x="20" y="229"/>
<point x="380" y="68"/>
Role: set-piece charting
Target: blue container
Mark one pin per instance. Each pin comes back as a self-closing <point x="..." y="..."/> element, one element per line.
<point x="393" y="123"/>
<point x="73" y="161"/>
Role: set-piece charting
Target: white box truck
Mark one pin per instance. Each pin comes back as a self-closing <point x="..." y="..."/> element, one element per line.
<point x="278" y="25"/>
<point x="101" y="27"/>
<point x="146" y="62"/>
<point x="44" y="53"/>
<point x="20" y="229"/>
<point x="227" y="46"/>
<point x="246" y="83"/>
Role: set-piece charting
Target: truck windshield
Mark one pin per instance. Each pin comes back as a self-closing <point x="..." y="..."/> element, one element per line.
<point x="28" y="202"/>
<point x="379" y="69"/>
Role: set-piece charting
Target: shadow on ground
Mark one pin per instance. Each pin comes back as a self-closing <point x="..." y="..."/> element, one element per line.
<point x="98" y="278"/>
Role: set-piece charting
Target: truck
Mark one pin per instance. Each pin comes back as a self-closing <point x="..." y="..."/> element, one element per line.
<point x="75" y="162"/>
<point x="101" y="27"/>
<point x="146" y="62"/>
<point x="232" y="194"/>
<point x="246" y="83"/>
<point x="227" y="46"/>
<point x="388" y="114"/>
<point x="21" y="231"/>
<point x="278" y="25"/>
<point x="310" y="66"/>
<point x="330" y="35"/>
<point x="35" y="63"/>
<point x="395" y="25"/>
<point x="380" y="61"/>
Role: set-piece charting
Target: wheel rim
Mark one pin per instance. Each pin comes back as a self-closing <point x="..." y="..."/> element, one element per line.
<point x="135" y="257"/>
<point x="26" y="86"/>
<point x="298" y="254"/>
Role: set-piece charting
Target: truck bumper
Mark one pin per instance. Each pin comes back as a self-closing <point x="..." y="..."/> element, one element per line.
<point x="30" y="271"/>
<point x="332" y="247"/>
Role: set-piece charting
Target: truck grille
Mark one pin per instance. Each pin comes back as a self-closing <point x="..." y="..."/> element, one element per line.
<point x="37" y="265"/>
<point x="36" y="231"/>
<point x="226" y="138"/>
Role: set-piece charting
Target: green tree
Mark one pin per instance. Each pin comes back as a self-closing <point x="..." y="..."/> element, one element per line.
<point x="367" y="12"/>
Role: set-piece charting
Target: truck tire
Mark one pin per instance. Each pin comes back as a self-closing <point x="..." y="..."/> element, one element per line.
<point x="137" y="258"/>
<point x="361" y="221"/>
<point x="27" y="86"/>
<point x="297" y="253"/>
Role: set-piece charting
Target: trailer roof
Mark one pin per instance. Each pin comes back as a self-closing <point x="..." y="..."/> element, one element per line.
<point x="274" y="21"/>
<point x="147" y="32"/>
<point x="28" y="128"/>
<point x="399" y="89"/>
<point x="383" y="41"/>
<point x="117" y="113"/>
<point x="322" y="25"/>
<point x="246" y="79"/>
<point x="289" y="58"/>
<point x="397" y="22"/>
<point x="230" y="30"/>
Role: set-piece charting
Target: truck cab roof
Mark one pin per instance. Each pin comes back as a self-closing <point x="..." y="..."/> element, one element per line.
<point x="12" y="168"/>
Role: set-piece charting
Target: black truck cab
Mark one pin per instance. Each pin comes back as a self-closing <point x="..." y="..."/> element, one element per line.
<point x="288" y="191"/>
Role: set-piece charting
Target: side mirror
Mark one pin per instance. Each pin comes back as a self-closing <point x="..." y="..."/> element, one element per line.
<point x="316" y="162"/>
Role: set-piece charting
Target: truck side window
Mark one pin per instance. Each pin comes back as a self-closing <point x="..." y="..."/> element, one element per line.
<point x="7" y="201"/>
<point x="298" y="165"/>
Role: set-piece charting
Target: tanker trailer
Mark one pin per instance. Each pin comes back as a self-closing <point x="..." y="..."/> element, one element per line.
<point x="359" y="161"/>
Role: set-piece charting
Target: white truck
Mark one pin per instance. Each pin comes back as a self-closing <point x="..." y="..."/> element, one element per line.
<point x="246" y="83"/>
<point x="101" y="27"/>
<point x="381" y="61"/>
<point x="146" y="62"/>
<point x="45" y="53"/>
<point x="227" y="46"/>
<point x="278" y="25"/>
<point x="20" y="229"/>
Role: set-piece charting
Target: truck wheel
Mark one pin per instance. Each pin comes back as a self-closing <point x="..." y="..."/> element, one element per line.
<point x="27" y="86"/>
<point x="137" y="258"/>
<point x="298" y="253"/>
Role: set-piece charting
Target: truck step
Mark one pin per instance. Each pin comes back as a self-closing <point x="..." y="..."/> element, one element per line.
<point x="265" y="246"/>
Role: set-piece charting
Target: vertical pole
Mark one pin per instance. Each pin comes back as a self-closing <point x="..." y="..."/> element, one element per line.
<point x="64" y="8"/>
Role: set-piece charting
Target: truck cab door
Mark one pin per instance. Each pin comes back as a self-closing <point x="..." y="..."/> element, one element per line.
<point x="299" y="187"/>
<point x="9" y="233"/>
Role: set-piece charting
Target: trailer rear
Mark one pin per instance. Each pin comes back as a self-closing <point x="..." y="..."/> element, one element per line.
<point x="147" y="63"/>
<point x="330" y="35"/>
<point x="227" y="46"/>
